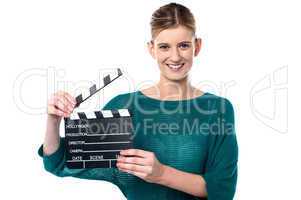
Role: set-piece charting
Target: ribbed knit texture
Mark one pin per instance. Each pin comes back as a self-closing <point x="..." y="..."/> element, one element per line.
<point x="195" y="136"/>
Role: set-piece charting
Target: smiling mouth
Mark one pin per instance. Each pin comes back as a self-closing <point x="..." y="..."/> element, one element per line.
<point x="175" y="67"/>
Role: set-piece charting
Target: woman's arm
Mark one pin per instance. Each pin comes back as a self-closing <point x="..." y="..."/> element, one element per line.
<point x="52" y="151"/>
<point x="145" y="165"/>
<point x="186" y="182"/>
<point x="52" y="136"/>
<point x="61" y="104"/>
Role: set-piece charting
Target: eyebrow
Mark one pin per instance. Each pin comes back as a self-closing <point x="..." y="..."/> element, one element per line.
<point x="178" y="43"/>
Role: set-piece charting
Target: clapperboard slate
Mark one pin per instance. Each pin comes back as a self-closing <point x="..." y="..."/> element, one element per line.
<point x="94" y="139"/>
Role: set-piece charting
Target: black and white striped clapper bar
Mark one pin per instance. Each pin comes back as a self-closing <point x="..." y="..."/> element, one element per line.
<point x="94" y="139"/>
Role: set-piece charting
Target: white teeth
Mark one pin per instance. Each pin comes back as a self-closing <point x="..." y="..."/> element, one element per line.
<point x="175" y="66"/>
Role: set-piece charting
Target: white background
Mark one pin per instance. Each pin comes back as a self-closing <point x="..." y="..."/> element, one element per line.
<point x="250" y="55"/>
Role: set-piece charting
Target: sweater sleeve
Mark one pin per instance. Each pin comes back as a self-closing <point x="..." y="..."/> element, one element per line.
<point x="55" y="163"/>
<point x="221" y="166"/>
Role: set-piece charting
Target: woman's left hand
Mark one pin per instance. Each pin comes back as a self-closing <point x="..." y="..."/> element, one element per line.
<point x="143" y="164"/>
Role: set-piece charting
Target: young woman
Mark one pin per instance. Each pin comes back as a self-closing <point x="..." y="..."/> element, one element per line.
<point x="185" y="143"/>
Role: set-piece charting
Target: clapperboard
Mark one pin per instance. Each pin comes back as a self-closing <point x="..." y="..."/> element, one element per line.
<point x="94" y="139"/>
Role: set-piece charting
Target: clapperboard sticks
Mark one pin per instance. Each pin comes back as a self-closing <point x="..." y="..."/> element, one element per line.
<point x="94" y="139"/>
<point x="92" y="90"/>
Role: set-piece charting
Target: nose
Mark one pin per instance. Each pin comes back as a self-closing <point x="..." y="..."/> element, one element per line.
<point x="175" y="55"/>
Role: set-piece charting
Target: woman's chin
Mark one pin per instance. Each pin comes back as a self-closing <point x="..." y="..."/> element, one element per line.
<point x="175" y="77"/>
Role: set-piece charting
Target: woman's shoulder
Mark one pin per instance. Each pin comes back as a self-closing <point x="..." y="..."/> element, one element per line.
<point x="128" y="96"/>
<point x="120" y="101"/>
<point x="221" y="103"/>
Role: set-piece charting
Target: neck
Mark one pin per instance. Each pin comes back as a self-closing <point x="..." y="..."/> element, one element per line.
<point x="175" y="90"/>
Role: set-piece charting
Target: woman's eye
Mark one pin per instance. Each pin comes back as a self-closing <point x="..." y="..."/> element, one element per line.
<point x="163" y="47"/>
<point x="184" y="46"/>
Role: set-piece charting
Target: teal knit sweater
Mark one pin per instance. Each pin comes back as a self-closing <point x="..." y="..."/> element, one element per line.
<point x="195" y="135"/>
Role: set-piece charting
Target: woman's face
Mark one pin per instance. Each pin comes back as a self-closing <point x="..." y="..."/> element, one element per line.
<point x="174" y="50"/>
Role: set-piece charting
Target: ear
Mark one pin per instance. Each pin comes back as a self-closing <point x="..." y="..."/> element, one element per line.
<point x="151" y="49"/>
<point x="198" y="45"/>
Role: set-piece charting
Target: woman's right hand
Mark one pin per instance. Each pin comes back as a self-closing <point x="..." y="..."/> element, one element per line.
<point x="60" y="104"/>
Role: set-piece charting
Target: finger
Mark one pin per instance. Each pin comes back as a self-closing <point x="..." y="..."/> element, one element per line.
<point x="55" y="111"/>
<point x="62" y="103"/>
<point x="139" y="174"/>
<point x="133" y="160"/>
<point x="133" y="167"/>
<point x="135" y="152"/>
<point x="71" y="100"/>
